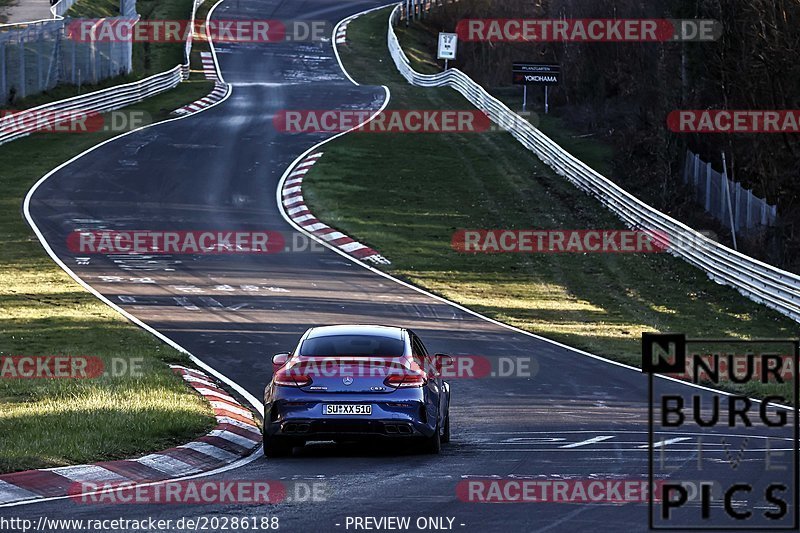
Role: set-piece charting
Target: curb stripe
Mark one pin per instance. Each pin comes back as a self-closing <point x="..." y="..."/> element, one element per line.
<point x="40" y="482"/>
<point x="228" y="414"/>
<point x="89" y="473"/>
<point x="235" y="436"/>
<point x="247" y="433"/>
<point x="220" y="92"/>
<point x="209" y="449"/>
<point x="231" y="408"/>
<point x="11" y="493"/>
<point x="135" y="471"/>
<point x="169" y="465"/>
<point x="194" y="458"/>
<point x="291" y="196"/>
<point x="204" y="382"/>
<point x="225" y="444"/>
<point x="230" y="436"/>
<point x="251" y="426"/>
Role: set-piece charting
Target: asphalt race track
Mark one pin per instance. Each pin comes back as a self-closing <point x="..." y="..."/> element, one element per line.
<point x="575" y="417"/>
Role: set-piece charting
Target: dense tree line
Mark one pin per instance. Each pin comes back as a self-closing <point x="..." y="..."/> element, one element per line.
<point x="624" y="91"/>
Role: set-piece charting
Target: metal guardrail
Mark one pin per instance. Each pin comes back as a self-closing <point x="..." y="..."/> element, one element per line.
<point x="12" y="127"/>
<point x="762" y="283"/>
<point x="60" y="8"/>
<point x="16" y="125"/>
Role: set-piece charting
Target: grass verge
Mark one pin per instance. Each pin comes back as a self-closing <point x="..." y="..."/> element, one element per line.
<point x="46" y="423"/>
<point x="406" y="194"/>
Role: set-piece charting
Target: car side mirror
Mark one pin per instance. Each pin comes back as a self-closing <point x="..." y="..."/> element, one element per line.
<point x="279" y="359"/>
<point x="443" y="362"/>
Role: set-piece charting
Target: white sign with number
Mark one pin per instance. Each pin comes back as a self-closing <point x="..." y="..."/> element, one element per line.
<point x="448" y="45"/>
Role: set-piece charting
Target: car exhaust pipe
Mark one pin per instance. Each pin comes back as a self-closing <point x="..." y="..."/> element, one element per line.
<point x="293" y="427"/>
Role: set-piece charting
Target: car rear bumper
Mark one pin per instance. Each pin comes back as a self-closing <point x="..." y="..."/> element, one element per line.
<point x="346" y="428"/>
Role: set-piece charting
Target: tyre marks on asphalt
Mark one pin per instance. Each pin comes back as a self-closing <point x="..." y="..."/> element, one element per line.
<point x="590" y="441"/>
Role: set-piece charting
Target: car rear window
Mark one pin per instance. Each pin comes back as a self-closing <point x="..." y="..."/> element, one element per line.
<point x="353" y="345"/>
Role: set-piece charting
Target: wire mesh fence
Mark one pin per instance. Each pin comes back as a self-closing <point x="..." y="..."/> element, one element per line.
<point x="417" y="9"/>
<point x="127" y="8"/>
<point x="716" y="193"/>
<point x="37" y="56"/>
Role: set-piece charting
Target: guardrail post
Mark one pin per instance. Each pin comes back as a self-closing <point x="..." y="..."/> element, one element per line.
<point x="708" y="187"/>
<point x="686" y="163"/>
<point x="3" y="84"/>
<point x="53" y="58"/>
<point x="74" y="70"/>
<point x="749" y="216"/>
<point x="92" y="61"/>
<point x="39" y="62"/>
<point x="22" y="81"/>
<point x="737" y="210"/>
<point x="110" y="59"/>
<point x="724" y="191"/>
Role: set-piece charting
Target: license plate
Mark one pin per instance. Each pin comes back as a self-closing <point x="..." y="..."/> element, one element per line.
<point x="347" y="409"/>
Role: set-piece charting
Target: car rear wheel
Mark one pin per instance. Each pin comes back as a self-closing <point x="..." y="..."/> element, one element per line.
<point x="433" y="444"/>
<point x="446" y="432"/>
<point x="277" y="447"/>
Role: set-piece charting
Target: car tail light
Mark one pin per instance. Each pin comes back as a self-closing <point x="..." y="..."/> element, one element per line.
<point x="288" y="377"/>
<point x="406" y="380"/>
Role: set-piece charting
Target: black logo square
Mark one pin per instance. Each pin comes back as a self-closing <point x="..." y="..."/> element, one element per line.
<point x="656" y="349"/>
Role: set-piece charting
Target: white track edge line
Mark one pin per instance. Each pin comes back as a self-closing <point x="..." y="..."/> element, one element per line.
<point x="236" y="464"/>
<point x="336" y="48"/>
<point x="440" y="298"/>
<point x="238" y="388"/>
<point x="26" y="210"/>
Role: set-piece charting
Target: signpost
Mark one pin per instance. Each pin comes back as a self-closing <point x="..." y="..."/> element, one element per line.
<point x="448" y="46"/>
<point x="536" y="74"/>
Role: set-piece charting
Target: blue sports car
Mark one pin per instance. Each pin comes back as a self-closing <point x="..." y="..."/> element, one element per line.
<point x="348" y="383"/>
